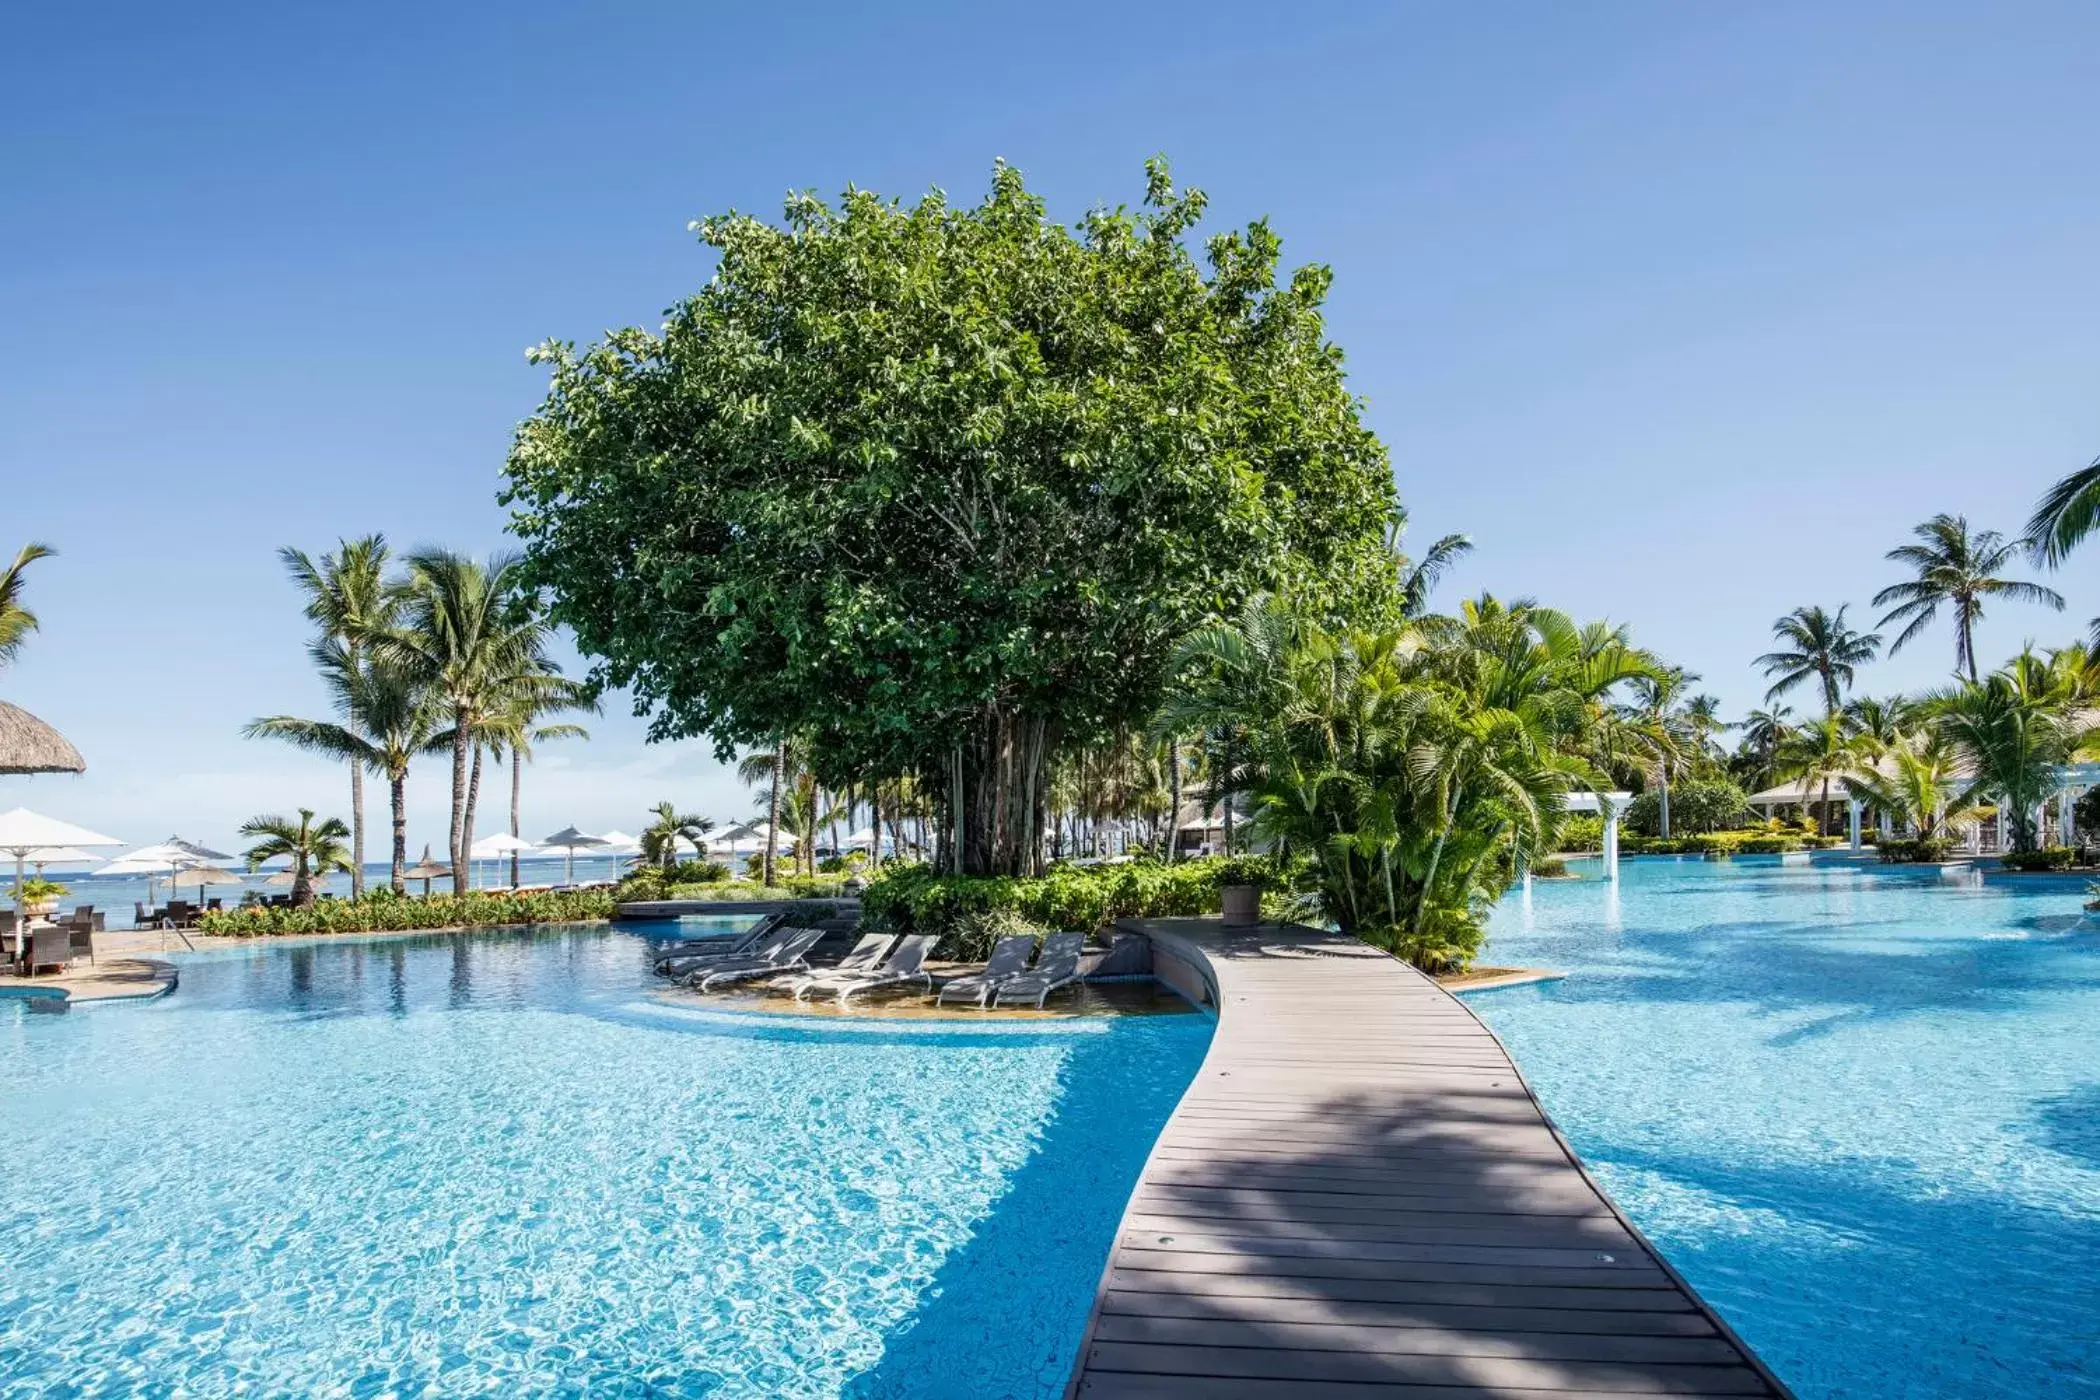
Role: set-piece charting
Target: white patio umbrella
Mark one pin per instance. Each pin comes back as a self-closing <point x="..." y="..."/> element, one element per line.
<point x="55" y="855"/>
<point x="498" y="846"/>
<point x="200" y="876"/>
<point x="163" y="858"/>
<point x="570" y="840"/>
<point x="618" y="843"/>
<point x="23" y="831"/>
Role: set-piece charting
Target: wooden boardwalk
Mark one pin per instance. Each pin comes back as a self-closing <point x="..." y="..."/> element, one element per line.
<point x="1359" y="1199"/>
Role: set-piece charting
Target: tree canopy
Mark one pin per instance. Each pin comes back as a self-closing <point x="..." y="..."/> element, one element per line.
<point x="943" y="488"/>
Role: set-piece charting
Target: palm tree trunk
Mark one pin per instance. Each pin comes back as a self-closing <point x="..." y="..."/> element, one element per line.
<point x="1663" y="797"/>
<point x="357" y="829"/>
<point x="397" y="798"/>
<point x="517" y="776"/>
<point x="773" y="812"/>
<point x="1965" y="643"/>
<point x="459" y="798"/>
<point x="1173" y="798"/>
<point x="466" y="831"/>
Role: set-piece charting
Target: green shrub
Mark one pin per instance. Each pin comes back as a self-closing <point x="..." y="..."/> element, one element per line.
<point x="1898" y="850"/>
<point x="698" y="872"/>
<point x="2047" y="858"/>
<point x="1550" y="868"/>
<point x="385" y="912"/>
<point x="1581" y="832"/>
<point x="1696" y="807"/>
<point x="916" y="899"/>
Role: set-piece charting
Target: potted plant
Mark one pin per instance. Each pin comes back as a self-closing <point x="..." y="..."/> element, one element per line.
<point x="40" y="896"/>
<point x="1241" y="880"/>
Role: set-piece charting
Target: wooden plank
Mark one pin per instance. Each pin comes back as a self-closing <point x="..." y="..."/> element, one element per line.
<point x="1359" y="1197"/>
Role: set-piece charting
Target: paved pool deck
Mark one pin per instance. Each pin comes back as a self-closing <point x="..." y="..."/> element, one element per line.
<point x="1359" y="1198"/>
<point x="108" y="979"/>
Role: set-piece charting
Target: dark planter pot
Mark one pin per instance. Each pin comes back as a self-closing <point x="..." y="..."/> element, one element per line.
<point x="1240" y="906"/>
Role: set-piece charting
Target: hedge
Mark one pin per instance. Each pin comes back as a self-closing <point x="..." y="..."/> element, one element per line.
<point x="916" y="899"/>
<point x="386" y="912"/>
<point x="2047" y="858"/>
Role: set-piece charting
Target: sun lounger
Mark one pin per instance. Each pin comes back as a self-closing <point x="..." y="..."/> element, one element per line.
<point x="866" y="954"/>
<point x="1009" y="959"/>
<point x="1057" y="967"/>
<point x="906" y="963"/>
<point x="673" y="959"/>
<point x="784" y="955"/>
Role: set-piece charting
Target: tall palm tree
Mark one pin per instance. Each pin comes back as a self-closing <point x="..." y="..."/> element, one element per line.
<point x="516" y="728"/>
<point x="659" y="840"/>
<point x="16" y="621"/>
<point x="315" y="848"/>
<point x="1822" y="753"/>
<point x="468" y="631"/>
<point x="349" y="600"/>
<point x="1817" y="644"/>
<point x="1960" y="570"/>
<point x="1660" y="729"/>
<point x="388" y="719"/>
<point x="1920" y="783"/>
<point x="1763" y="732"/>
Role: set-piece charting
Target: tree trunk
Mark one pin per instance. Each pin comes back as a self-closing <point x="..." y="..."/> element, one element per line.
<point x="459" y="798"/>
<point x="517" y="777"/>
<point x="466" y="831"/>
<point x="397" y="802"/>
<point x="773" y="813"/>
<point x="997" y="803"/>
<point x="357" y="829"/>
<point x="1663" y="797"/>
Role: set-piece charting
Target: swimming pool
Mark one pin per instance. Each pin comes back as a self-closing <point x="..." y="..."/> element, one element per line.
<point x="1858" y="1108"/>
<point x="493" y="1164"/>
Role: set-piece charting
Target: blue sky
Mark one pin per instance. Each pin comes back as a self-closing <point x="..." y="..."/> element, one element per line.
<point x="1685" y="312"/>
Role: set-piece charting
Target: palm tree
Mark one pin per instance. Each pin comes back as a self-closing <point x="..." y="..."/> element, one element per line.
<point x="2016" y="728"/>
<point x="1660" y="729"/>
<point x="389" y="719"/>
<point x="1880" y="724"/>
<point x="1823" y="752"/>
<point x="1763" y="732"/>
<point x="1819" y="644"/>
<point x="349" y="600"/>
<point x="1419" y="578"/>
<point x="1920" y="784"/>
<point x="1958" y="569"/>
<point x="315" y="848"/>
<point x="659" y="840"/>
<point x="470" y="630"/>
<point x="16" y="621"/>
<point x="516" y="729"/>
<point x="2066" y="515"/>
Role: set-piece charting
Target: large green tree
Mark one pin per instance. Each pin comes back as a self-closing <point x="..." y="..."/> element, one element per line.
<point x="942" y="488"/>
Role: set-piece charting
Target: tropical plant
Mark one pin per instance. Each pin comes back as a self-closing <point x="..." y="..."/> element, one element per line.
<point x="17" y="621"/>
<point x="1881" y="723"/>
<point x="2014" y="729"/>
<point x="388" y="719"/>
<point x="515" y="729"/>
<point x="1696" y="807"/>
<point x="469" y="632"/>
<point x="2066" y="515"/>
<point x="314" y="848"/>
<point x="1764" y="731"/>
<point x="350" y="602"/>
<point x="1658" y="726"/>
<point x="1419" y="577"/>
<point x="1815" y="644"/>
<point x="1820" y="755"/>
<point x="982" y="477"/>
<point x="1920" y="782"/>
<point x="659" y="840"/>
<point x="35" y="889"/>
<point x="1959" y="570"/>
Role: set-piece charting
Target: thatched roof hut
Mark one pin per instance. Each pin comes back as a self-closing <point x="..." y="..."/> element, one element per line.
<point x="28" y="745"/>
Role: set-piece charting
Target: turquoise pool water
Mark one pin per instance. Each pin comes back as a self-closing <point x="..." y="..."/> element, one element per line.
<point x="491" y="1165"/>
<point x="1859" y="1109"/>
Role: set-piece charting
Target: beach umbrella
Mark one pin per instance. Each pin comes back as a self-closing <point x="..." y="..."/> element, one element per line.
<point x="570" y="840"/>
<point x="23" y="831"/>
<point x="163" y="858"/>
<point x="498" y="846"/>
<point x="200" y="876"/>
<point x="55" y="855"/>
<point x="426" y="870"/>
<point x="617" y="844"/>
<point x="28" y="745"/>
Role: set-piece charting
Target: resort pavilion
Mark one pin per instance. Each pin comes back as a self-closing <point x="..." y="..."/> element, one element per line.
<point x="2056" y="823"/>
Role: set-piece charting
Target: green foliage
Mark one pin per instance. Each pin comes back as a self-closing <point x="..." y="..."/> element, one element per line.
<point x="384" y="911"/>
<point x="1258" y="871"/>
<point x="17" y="621"/>
<point x="1550" y="868"/>
<point x="975" y="931"/>
<point x="2042" y="858"/>
<point x="1696" y="806"/>
<point x="917" y="899"/>
<point x="2015" y="728"/>
<point x="1771" y="839"/>
<point x="1581" y="833"/>
<point x="1915" y="850"/>
<point x="36" y="889"/>
<point x="913" y="479"/>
